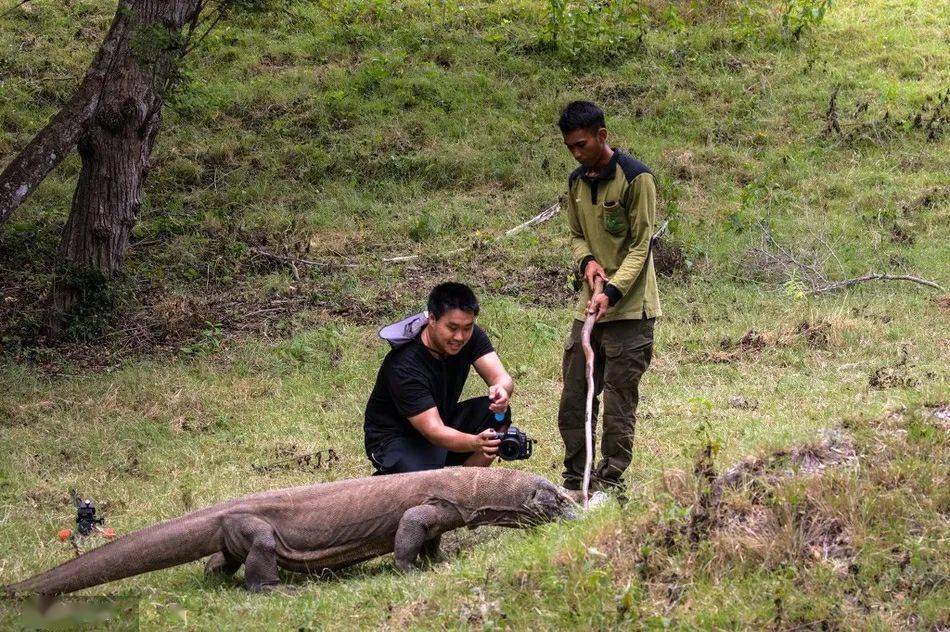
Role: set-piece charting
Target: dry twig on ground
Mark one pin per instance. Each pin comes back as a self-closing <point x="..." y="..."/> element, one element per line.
<point x="293" y="261"/>
<point x="872" y="276"/>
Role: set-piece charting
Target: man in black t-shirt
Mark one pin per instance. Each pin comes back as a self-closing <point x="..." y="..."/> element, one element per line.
<point x="414" y="420"/>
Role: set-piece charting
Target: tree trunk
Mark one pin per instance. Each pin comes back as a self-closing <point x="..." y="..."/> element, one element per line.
<point x="113" y="119"/>
<point x="117" y="143"/>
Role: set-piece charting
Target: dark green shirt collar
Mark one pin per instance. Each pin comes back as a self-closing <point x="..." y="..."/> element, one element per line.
<point x="607" y="173"/>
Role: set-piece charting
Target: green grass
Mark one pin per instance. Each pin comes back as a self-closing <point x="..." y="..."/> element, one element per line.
<point x="378" y="129"/>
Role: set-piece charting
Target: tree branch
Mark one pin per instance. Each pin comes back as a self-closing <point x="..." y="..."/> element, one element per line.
<point x="546" y="214"/>
<point x="13" y="8"/>
<point x="873" y="276"/>
<point x="48" y="148"/>
<point x="214" y="18"/>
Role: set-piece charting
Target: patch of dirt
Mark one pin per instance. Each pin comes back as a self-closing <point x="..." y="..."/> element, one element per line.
<point x="894" y="376"/>
<point x="290" y="456"/>
<point x="939" y="415"/>
<point x="757" y="265"/>
<point x="669" y="258"/>
<point x="488" y="273"/>
<point x="928" y="198"/>
<point x="44" y="497"/>
<point x="742" y="516"/>
<point x="683" y="164"/>
<point x="202" y="316"/>
<point x="833" y="449"/>
<point x="816" y="334"/>
<point x="399" y="617"/>
<point x="480" y="612"/>
<point x="737" y="513"/>
<point x="161" y="323"/>
<point x="750" y="344"/>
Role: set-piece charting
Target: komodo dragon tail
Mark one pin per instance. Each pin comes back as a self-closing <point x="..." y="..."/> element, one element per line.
<point x="166" y="544"/>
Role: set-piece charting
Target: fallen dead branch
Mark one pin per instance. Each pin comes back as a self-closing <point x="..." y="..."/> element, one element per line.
<point x="808" y="264"/>
<point x="293" y="261"/>
<point x="873" y="276"/>
<point x="546" y="214"/>
<point x="808" y="267"/>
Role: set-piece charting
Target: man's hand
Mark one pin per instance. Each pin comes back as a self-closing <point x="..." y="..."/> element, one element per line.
<point x="498" y="396"/>
<point x="592" y="271"/>
<point x="598" y="305"/>
<point x="486" y="443"/>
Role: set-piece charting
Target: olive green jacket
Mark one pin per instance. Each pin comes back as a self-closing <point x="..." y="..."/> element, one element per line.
<point x="611" y="218"/>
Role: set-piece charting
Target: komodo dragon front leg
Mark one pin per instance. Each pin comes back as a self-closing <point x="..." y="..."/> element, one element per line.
<point x="419" y="531"/>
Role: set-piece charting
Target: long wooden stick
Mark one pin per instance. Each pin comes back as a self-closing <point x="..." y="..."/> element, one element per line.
<point x="589" y="410"/>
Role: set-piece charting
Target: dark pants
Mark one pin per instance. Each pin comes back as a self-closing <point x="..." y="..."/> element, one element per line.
<point x="412" y="452"/>
<point x="622" y="352"/>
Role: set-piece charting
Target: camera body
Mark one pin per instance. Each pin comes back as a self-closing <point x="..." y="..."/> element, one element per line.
<point x="515" y="444"/>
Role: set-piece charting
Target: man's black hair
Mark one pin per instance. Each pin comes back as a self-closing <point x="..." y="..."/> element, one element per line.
<point x="449" y="296"/>
<point x="581" y="115"/>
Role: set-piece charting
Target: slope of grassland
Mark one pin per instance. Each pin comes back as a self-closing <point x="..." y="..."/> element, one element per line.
<point x="351" y="131"/>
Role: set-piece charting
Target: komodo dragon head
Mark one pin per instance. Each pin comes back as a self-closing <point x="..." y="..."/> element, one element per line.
<point x="549" y="503"/>
<point x="527" y="500"/>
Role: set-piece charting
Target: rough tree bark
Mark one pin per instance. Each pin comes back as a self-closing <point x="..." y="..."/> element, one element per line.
<point x="113" y="120"/>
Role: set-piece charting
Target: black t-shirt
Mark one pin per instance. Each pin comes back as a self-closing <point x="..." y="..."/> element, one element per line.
<point x="412" y="380"/>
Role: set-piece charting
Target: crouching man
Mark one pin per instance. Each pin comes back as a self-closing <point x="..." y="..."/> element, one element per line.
<point x="414" y="420"/>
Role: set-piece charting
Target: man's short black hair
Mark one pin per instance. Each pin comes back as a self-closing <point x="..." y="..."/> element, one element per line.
<point x="581" y="115"/>
<point x="448" y="296"/>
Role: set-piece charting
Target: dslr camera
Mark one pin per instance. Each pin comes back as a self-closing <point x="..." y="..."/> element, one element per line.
<point x="515" y="444"/>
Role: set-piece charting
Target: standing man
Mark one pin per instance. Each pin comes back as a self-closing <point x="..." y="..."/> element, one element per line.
<point x="611" y="211"/>
<point x="414" y="420"/>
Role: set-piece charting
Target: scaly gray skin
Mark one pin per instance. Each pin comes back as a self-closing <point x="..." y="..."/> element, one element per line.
<point x="318" y="527"/>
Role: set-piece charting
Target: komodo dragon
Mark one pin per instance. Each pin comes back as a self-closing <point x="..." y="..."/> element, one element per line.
<point x="317" y="527"/>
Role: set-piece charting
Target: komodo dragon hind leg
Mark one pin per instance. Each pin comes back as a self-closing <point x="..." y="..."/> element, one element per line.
<point x="222" y="563"/>
<point x="421" y="525"/>
<point x="253" y="538"/>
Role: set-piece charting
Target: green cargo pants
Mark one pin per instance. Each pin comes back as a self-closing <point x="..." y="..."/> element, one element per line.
<point x="622" y="352"/>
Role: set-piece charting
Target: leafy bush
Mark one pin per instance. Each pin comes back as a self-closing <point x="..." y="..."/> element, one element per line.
<point x="799" y="16"/>
<point x="593" y="27"/>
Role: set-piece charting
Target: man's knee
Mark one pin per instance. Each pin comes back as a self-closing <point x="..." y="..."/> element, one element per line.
<point x="403" y="457"/>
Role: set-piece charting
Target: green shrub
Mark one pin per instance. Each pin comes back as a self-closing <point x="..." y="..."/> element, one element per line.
<point x="589" y="28"/>
<point x="800" y="16"/>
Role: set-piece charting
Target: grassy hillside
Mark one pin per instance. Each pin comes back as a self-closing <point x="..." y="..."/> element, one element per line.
<point x="342" y="133"/>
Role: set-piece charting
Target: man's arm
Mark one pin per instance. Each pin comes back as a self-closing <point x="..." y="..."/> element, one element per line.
<point x="587" y="266"/>
<point x="500" y="384"/>
<point x="579" y="248"/>
<point x="429" y="423"/>
<point x="641" y="209"/>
